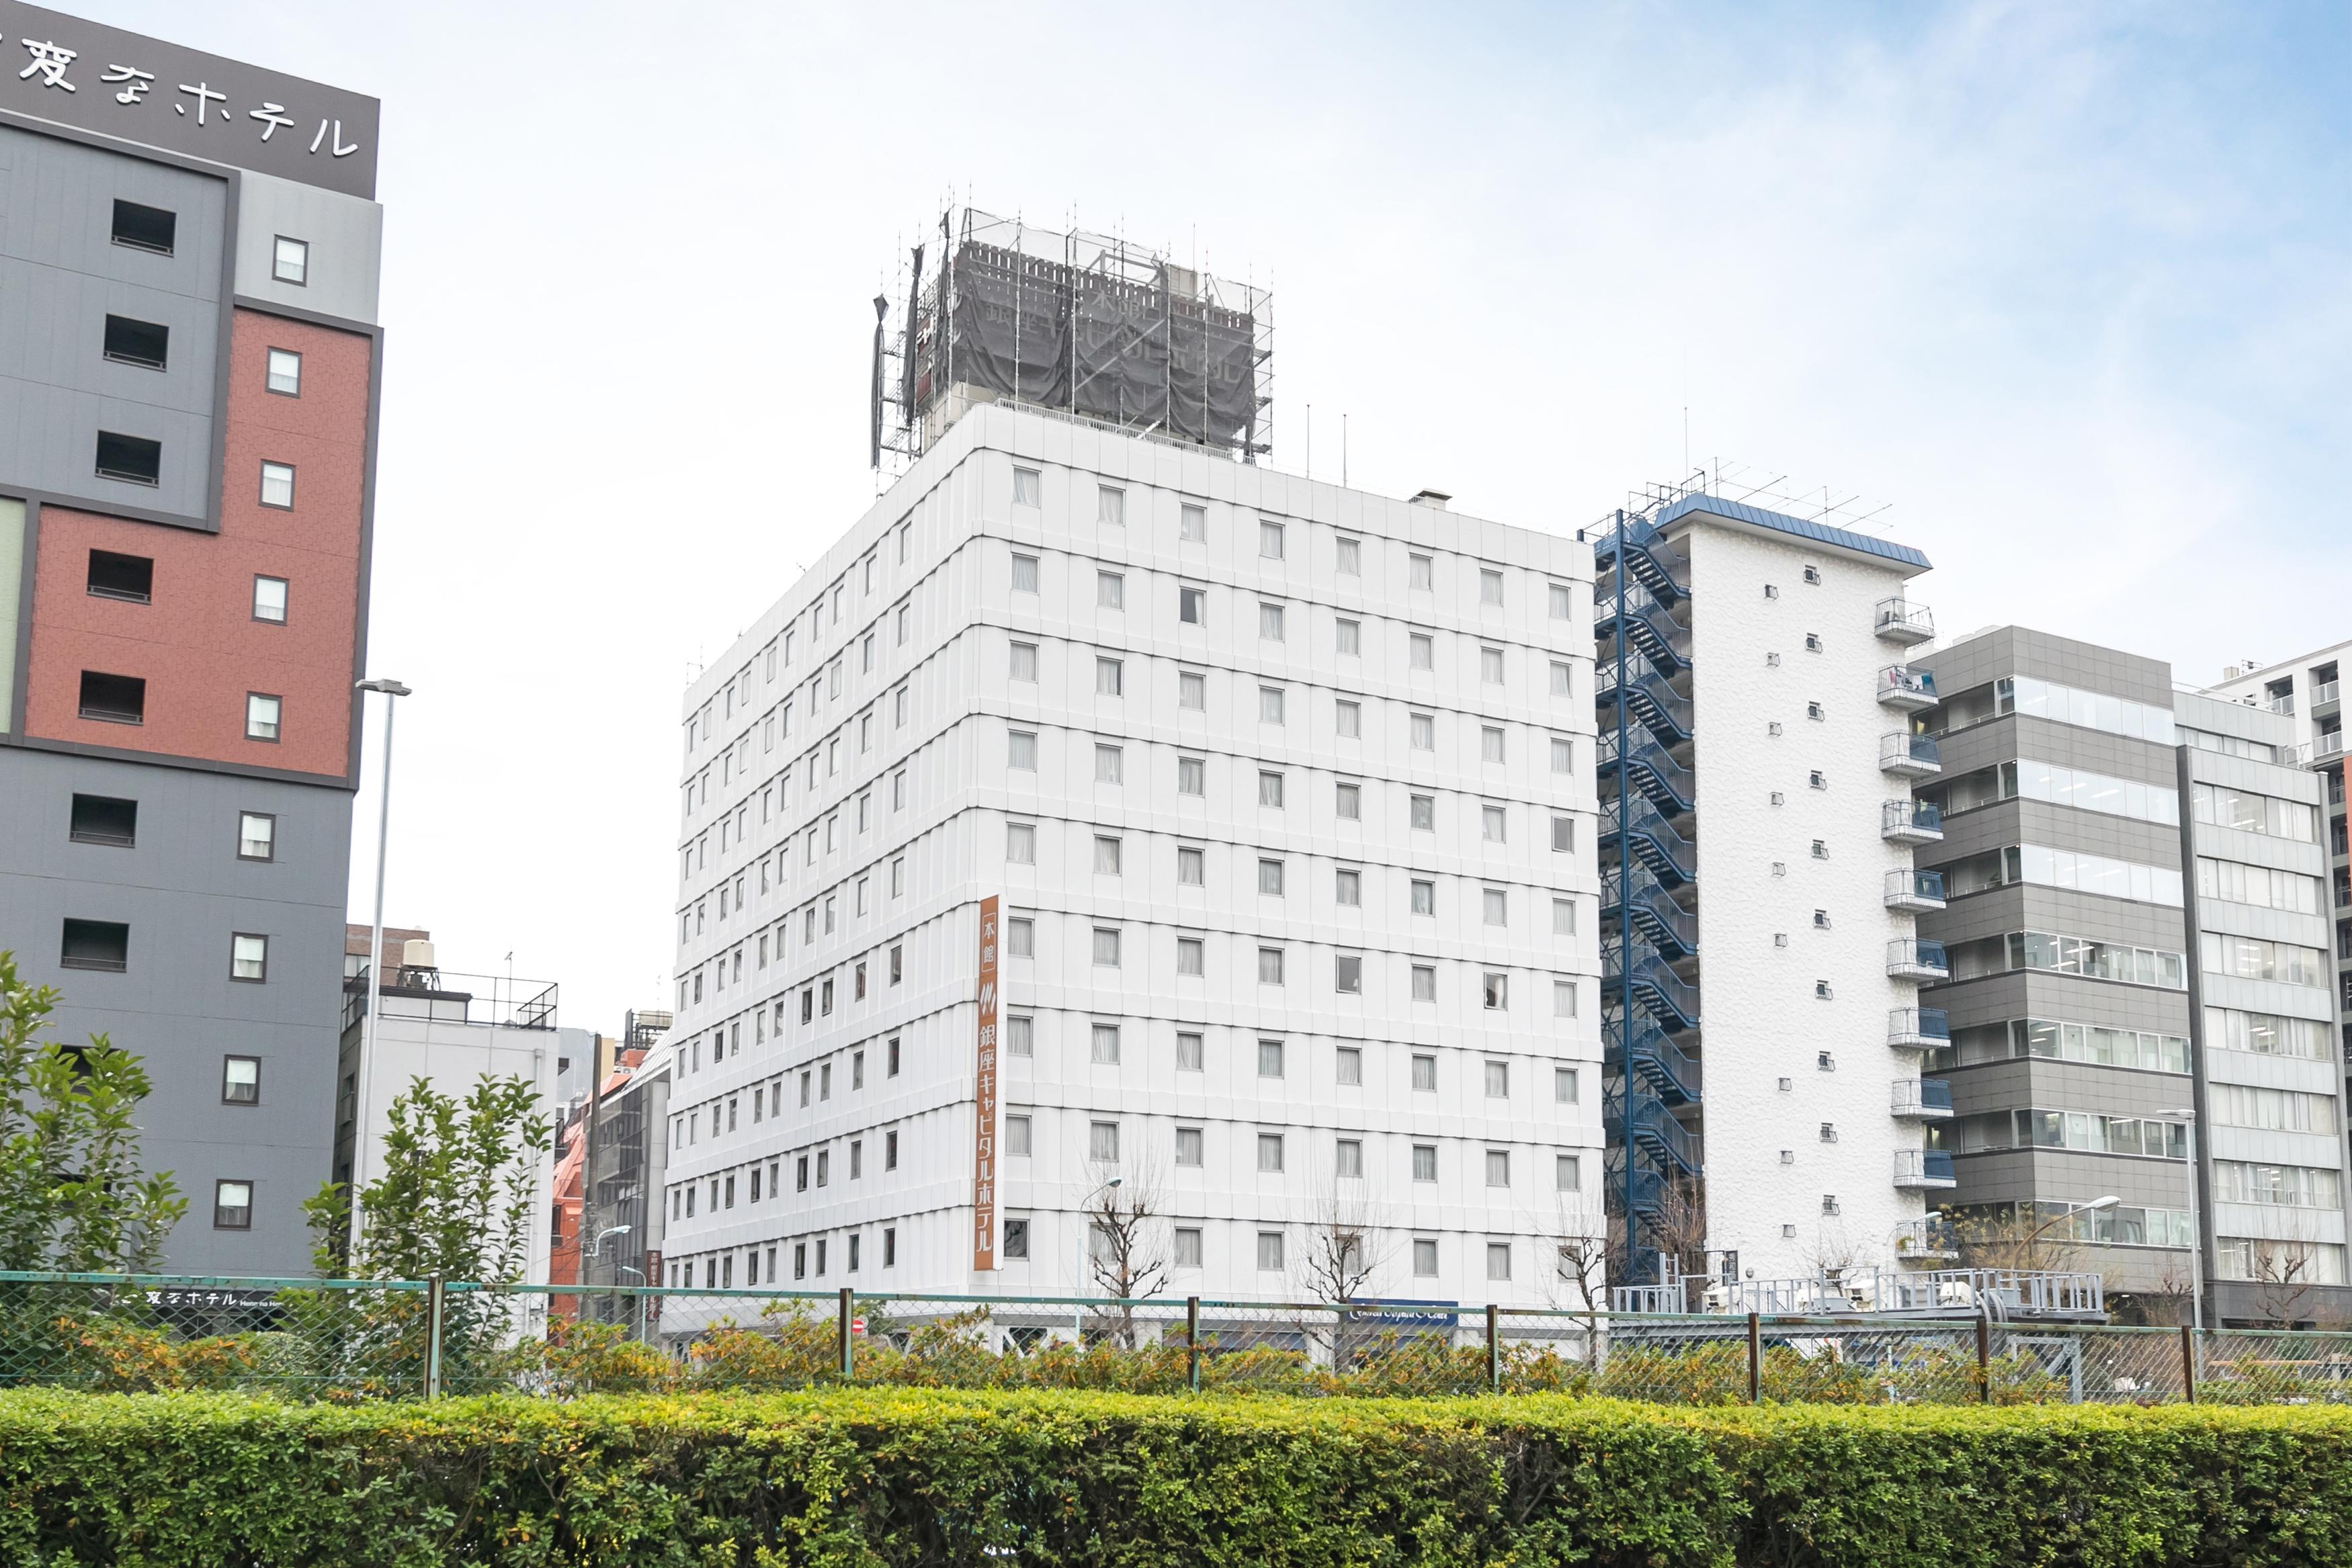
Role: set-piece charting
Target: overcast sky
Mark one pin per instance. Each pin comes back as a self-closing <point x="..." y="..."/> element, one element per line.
<point x="2064" y="287"/>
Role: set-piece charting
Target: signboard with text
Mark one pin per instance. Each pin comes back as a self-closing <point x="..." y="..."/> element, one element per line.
<point x="100" y="78"/>
<point x="984" y="1144"/>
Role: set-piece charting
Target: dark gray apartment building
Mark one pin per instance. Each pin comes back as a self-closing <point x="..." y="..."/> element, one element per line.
<point x="2132" y="981"/>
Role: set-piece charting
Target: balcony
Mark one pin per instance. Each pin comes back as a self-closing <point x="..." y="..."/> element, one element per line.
<point x="2323" y="694"/>
<point x="1922" y="1099"/>
<point x="1916" y="961"/>
<point x="1915" y="892"/>
<point x="1906" y="689"/>
<point x="1910" y="756"/>
<point x="1930" y="1236"/>
<point x="1899" y="621"/>
<point x="1918" y="1028"/>
<point x="1924" y="1168"/>
<point x="1911" y="822"/>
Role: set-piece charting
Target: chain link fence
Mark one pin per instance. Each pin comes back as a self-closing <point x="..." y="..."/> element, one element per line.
<point x="355" y="1340"/>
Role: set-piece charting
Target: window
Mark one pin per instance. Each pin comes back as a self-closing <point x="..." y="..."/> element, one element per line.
<point x="1192" y="523"/>
<point x="1269" y="965"/>
<point x="1105" y="1044"/>
<point x="1348" y="1160"/>
<point x="1424" y="1255"/>
<point x="257" y="836"/>
<point x="1269" y="622"/>
<point x="1563" y="998"/>
<point x="1347" y="974"/>
<point x="1499" y="1080"/>
<point x="285" y="373"/>
<point x="1269" y="791"/>
<point x="1025" y="661"/>
<point x="1191" y="776"/>
<point x="1020" y="936"/>
<point x="1561" y="680"/>
<point x="270" y="599"/>
<point x="146" y="344"/>
<point x="1269" y="1151"/>
<point x="1025" y="487"/>
<point x="1564" y="1085"/>
<point x="1498" y="1168"/>
<point x="1349" y="719"/>
<point x="1351" y="1065"/>
<point x="1021" y="844"/>
<point x="144" y="228"/>
<point x="1110" y="507"/>
<point x="1424" y="1162"/>
<point x="1492" y="826"/>
<point x="1021" y="1035"/>
<point x="232" y="1206"/>
<point x="1422" y="651"/>
<point x="1497" y="989"/>
<point x="1193" y="690"/>
<point x="1820" y="849"/>
<point x="1189" y="1146"/>
<point x="1102" y="1142"/>
<point x="1490" y="586"/>
<point x="1422" y="573"/>
<point x="1350" y="557"/>
<point x="1109" y="765"/>
<point x="1498" y="1259"/>
<point x="1425" y="982"/>
<point x="1563" y="603"/>
<point x="1025" y="574"/>
<point x="1490" y="743"/>
<point x="1490" y="666"/>
<point x="1269" y="878"/>
<point x="262" y="713"/>
<point x="1110" y="590"/>
<point x="1269" y="539"/>
<point x="1424" y="1075"/>
<point x="1021" y="751"/>
<point x="1813" y="711"/>
<point x="289" y="261"/>
<point x="241" y="1081"/>
<point x="1107" y="856"/>
<point x="1424" y="897"/>
<point x="102" y="945"/>
<point x="1424" y="813"/>
<point x="1423" y="730"/>
<point x="1192" y="866"/>
<point x="1110" y="677"/>
<point x="1349" y="802"/>
<point x="1269" y="705"/>
<point x="1351" y="634"/>
<point x="1348" y="887"/>
<point x="1190" y="956"/>
<point x="249" y="958"/>
<point x="1269" y="1059"/>
<point x="104" y="820"/>
<point x="1190" y="1053"/>
<point x="1269" y="1252"/>
<point x="1496" y="905"/>
<point x="1106" y="947"/>
<point x="1193" y="605"/>
<point x="133" y="459"/>
<point x="1016" y="1231"/>
<point x="1563" y="917"/>
<point x="1563" y="835"/>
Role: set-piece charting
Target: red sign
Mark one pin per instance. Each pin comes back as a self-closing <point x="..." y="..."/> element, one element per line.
<point x="984" y="1144"/>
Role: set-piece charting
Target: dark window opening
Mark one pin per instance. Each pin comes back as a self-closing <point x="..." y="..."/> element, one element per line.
<point x="146" y="343"/>
<point x="133" y="459"/>
<point x="146" y="228"/>
<point x="113" y="699"/>
<point x="96" y="944"/>
<point x="104" y="820"/>
<point x="130" y="576"/>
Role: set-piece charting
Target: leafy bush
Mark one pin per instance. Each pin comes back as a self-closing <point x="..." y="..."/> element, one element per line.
<point x="887" y="1475"/>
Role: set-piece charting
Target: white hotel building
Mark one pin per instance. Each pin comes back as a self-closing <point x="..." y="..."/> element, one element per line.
<point x="1286" y="793"/>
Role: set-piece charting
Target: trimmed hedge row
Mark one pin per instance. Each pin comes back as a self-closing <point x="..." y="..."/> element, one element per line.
<point x="869" y="1476"/>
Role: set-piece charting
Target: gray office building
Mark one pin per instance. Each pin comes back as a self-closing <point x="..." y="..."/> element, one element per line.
<point x="2133" y="925"/>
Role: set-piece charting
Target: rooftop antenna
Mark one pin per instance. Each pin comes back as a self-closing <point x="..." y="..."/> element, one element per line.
<point x="1310" y="441"/>
<point x="1343" y="452"/>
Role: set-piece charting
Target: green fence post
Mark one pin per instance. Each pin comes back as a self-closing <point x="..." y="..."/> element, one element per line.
<point x="1984" y="1359"/>
<point x="435" y="1306"/>
<point x="2189" y="1363"/>
<point x="1493" y="1348"/>
<point x="842" y="1333"/>
<point x="1192" y="1342"/>
<point x="1754" y="1360"/>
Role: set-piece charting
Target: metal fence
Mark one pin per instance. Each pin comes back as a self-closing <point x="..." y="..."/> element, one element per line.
<point x="356" y="1340"/>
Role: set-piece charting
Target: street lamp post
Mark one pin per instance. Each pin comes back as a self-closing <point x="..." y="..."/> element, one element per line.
<point x="2195" y="1234"/>
<point x="1078" y="1279"/>
<point x="392" y="691"/>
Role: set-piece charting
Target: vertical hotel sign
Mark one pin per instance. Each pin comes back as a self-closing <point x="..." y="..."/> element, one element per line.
<point x="983" y="1143"/>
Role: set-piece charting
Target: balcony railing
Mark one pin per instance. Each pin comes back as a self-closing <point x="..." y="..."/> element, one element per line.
<point x="1918" y="1028"/>
<point x="1910" y="756"/>
<point x="2284" y="702"/>
<point x="1922" y="1098"/>
<point x="1924" y="1168"/>
<point x="1900" y="687"/>
<point x="1916" y="961"/>
<point x="1910" y="823"/>
<point x="1930" y="1236"/>
<point x="1899" y="621"/>
<point x="1919" y="892"/>
<point x="2323" y="694"/>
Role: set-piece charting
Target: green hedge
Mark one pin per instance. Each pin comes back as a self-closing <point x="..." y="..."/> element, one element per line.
<point x="867" y="1477"/>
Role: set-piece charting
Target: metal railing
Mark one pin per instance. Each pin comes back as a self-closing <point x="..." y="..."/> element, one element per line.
<point x="1908" y="889"/>
<point x="1921" y="754"/>
<point x="1944" y="1336"/>
<point x="1904" y="685"/>
<point x="1919" y="1028"/>
<point x="1904" y="622"/>
<point x="1916" y="960"/>
<point x="1910" y="821"/>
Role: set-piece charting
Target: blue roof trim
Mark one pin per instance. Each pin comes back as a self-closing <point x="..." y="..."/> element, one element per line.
<point x="1819" y="533"/>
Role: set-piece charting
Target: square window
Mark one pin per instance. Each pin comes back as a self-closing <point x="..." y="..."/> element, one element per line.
<point x="290" y="261"/>
<point x="144" y="228"/>
<point x="1351" y="635"/>
<point x="1192" y="523"/>
<point x="1563" y="998"/>
<point x="1110" y="590"/>
<point x="133" y="459"/>
<point x="146" y="344"/>
<point x="1105" y="1044"/>
<point x="1498" y="1168"/>
<point x="270" y="599"/>
<point x="1498" y="1259"/>
<point x="1189" y="1149"/>
<point x="1189" y="1052"/>
<point x="1348" y="1160"/>
<point x="1563" y="755"/>
<point x="1109" y="765"/>
<point x="1563" y="917"/>
<point x="1193" y="691"/>
<point x="249" y="958"/>
<point x="1347" y="974"/>
<point x="261" y="715"/>
<point x="1190" y="956"/>
<point x="1563" y="603"/>
<point x="1424" y="732"/>
<point x="1490" y="666"/>
<point x="1565" y="1088"/>
<point x="1422" y="651"/>
<point x="1424" y="1162"/>
<point x="1191" y="776"/>
<point x="1269" y="965"/>
<point x="1025" y="661"/>
<point x="1269" y="705"/>
<point x="1106" y="947"/>
<point x="1016" y="1238"/>
<point x="1424" y="813"/>
<point x="232" y="1206"/>
<point x="1110" y="677"/>
<point x="1424" y="1257"/>
<point x="129" y="577"/>
<point x="1562" y="685"/>
<point x="1497" y="903"/>
<point x="1490" y="744"/>
<point x="104" y="820"/>
<point x="1107" y="856"/>
<point x="1563" y="835"/>
<point x="1424" y="897"/>
<point x="285" y="373"/>
<point x="1110" y="507"/>
<point x="241" y="1081"/>
<point x="1350" y="719"/>
<point x="1187" y="1248"/>
<point x="1102" y="1142"/>
<point x="1497" y="989"/>
<point x="1269" y="1252"/>
<point x="257" y="836"/>
<point x="1192" y="606"/>
<point x="1020" y="936"/>
<point x="1425" y="982"/>
<point x="1492" y="826"/>
<point x="1490" y="586"/>
<point x="1349" y="804"/>
<point x="1422" y="573"/>
<point x="1192" y="866"/>
<point x="1269" y="622"/>
<point x="1348" y="887"/>
<point x="1499" y="1080"/>
<point x="1025" y="487"/>
<point x="1350" y="557"/>
<point x="1351" y="1065"/>
<point x="1021" y="1035"/>
<point x="1424" y="1075"/>
<point x="1269" y="1059"/>
<point x="102" y="945"/>
<point x="1269" y="539"/>
<point x="1021" y="751"/>
<point x="1269" y="879"/>
<point x="1269" y="1152"/>
<point x="1025" y="574"/>
<point x="1269" y="791"/>
<point x="1021" y="844"/>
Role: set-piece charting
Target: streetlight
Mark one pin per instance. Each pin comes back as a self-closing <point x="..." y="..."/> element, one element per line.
<point x="2196" y="1239"/>
<point x="392" y="691"/>
<point x="1078" y="1327"/>
<point x="2095" y="1204"/>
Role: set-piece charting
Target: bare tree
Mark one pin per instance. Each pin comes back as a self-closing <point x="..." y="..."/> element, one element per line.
<point x="1582" y="1242"/>
<point x="1127" y="1243"/>
<point x="2014" y="1238"/>
<point x="1349" y="1244"/>
<point x="2285" y="1276"/>
<point x="1677" y="1232"/>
